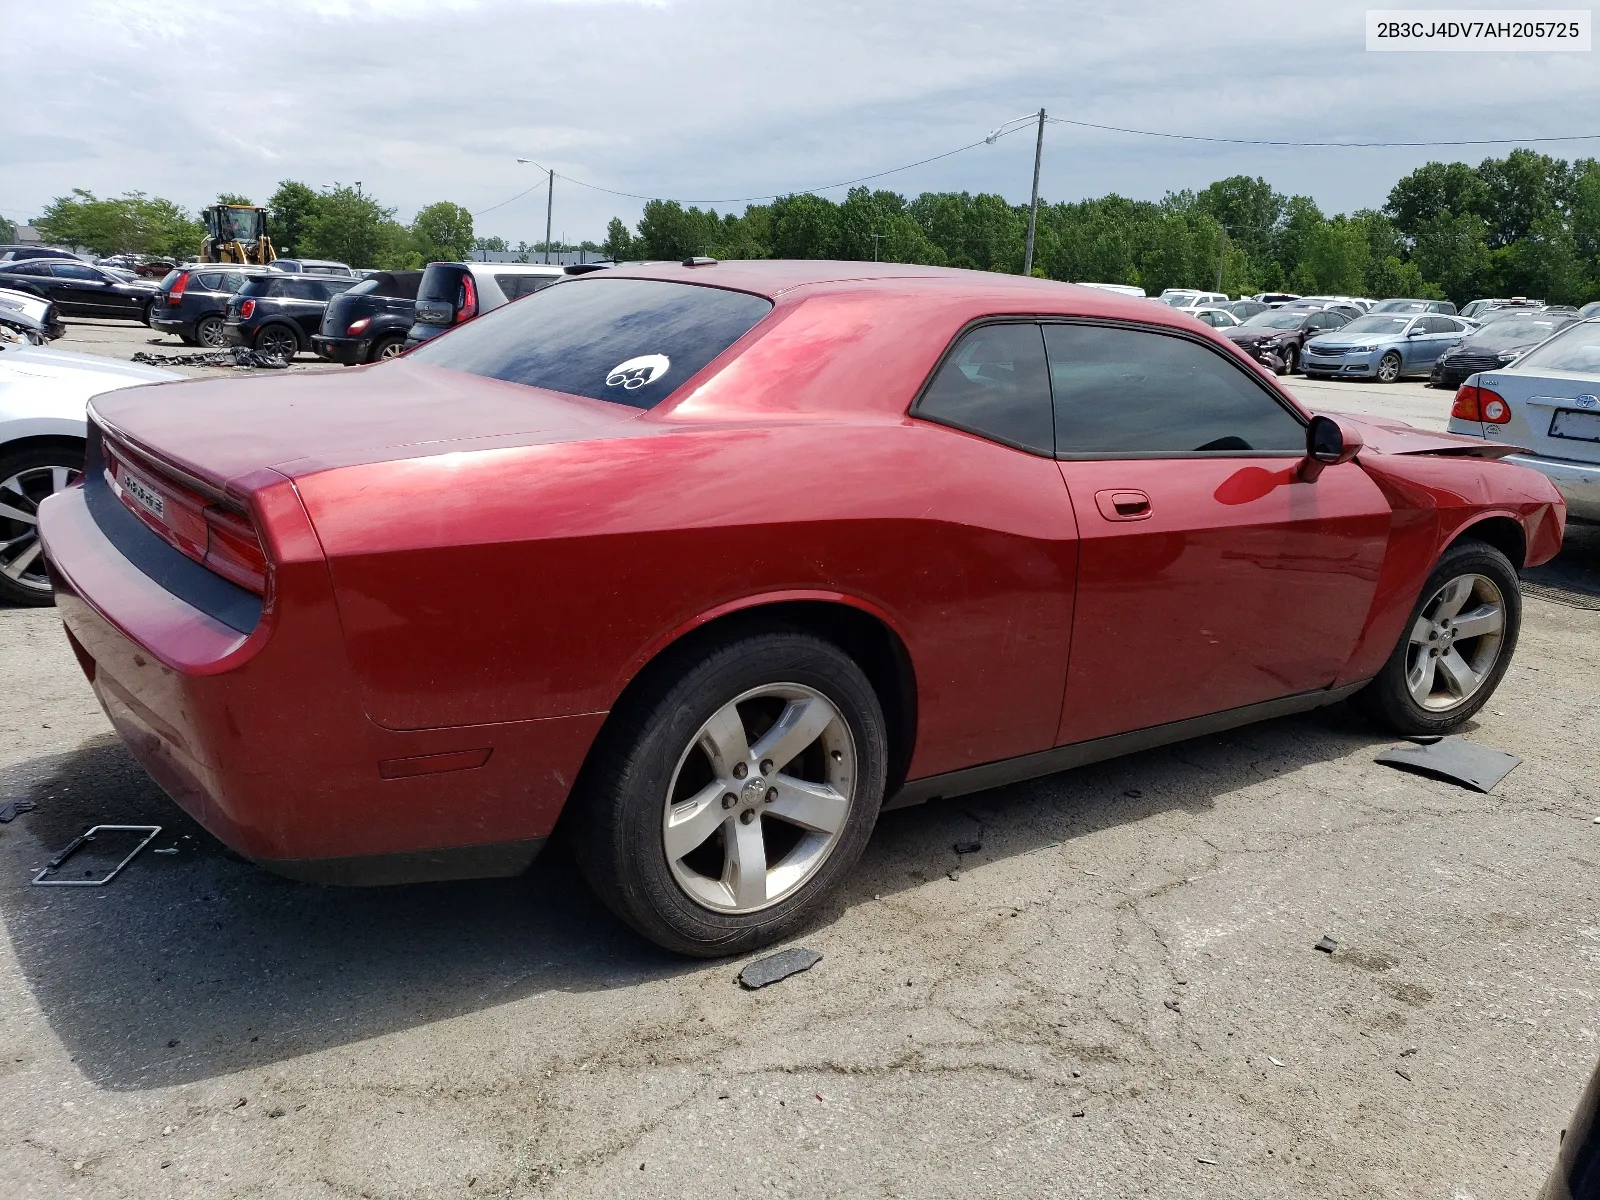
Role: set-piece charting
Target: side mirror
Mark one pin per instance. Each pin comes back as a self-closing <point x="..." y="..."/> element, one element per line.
<point x="1411" y="333"/>
<point x="1328" y="443"/>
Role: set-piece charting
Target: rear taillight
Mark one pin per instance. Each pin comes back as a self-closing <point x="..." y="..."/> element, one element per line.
<point x="178" y="284"/>
<point x="467" y="305"/>
<point x="1475" y="403"/>
<point x="247" y="309"/>
<point x="234" y="551"/>
<point x="357" y="326"/>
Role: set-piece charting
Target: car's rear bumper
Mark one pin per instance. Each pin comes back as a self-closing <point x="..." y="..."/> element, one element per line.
<point x="422" y="331"/>
<point x="349" y="351"/>
<point x="176" y="325"/>
<point x="259" y="734"/>
<point x="1578" y="483"/>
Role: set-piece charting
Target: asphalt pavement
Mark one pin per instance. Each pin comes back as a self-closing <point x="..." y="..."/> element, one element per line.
<point x="1116" y="995"/>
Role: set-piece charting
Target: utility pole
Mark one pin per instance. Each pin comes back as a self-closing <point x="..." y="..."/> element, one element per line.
<point x="876" y="238"/>
<point x="549" y="200"/>
<point x="1033" y="210"/>
<point x="1222" y="255"/>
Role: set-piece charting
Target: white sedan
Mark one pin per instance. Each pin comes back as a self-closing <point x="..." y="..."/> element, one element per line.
<point x="43" y="427"/>
<point x="1548" y="401"/>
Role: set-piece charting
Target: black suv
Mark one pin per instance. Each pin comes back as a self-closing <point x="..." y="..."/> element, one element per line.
<point x="276" y="314"/>
<point x="192" y="302"/>
<point x="79" y="289"/>
<point x="369" y="321"/>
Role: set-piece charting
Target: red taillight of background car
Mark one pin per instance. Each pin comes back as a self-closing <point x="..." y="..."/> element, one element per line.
<point x="178" y="284"/>
<point x="1475" y="403"/>
<point x="357" y="326"/>
<point x="247" y="309"/>
<point x="468" y="306"/>
<point x="233" y="550"/>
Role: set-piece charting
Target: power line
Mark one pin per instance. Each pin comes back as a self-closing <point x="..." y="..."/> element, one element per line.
<point x="752" y="199"/>
<point x="1194" y="137"/>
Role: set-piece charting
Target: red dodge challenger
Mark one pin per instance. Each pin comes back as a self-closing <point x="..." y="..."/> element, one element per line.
<point x="720" y="560"/>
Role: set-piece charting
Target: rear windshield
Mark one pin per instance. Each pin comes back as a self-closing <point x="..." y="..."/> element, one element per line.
<point x="440" y="281"/>
<point x="171" y="277"/>
<point x="629" y="340"/>
<point x="1574" y="349"/>
<point x="366" y="287"/>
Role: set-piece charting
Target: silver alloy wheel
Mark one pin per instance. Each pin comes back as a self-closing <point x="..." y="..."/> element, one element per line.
<point x="759" y="798"/>
<point x="391" y="350"/>
<point x="210" y="333"/>
<point x="1455" y="642"/>
<point x="21" y="557"/>
<point x="1389" y="368"/>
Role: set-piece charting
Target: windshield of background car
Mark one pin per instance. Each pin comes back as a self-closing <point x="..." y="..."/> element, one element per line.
<point x="1576" y="349"/>
<point x="629" y="340"/>
<point x="1387" y="326"/>
<point x="1518" y="331"/>
<point x="1276" y="318"/>
<point x="1402" y="306"/>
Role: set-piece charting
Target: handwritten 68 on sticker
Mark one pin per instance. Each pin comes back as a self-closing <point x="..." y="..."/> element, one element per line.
<point x="636" y="372"/>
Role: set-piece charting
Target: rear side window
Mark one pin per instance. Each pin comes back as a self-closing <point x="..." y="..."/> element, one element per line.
<point x="517" y="286"/>
<point x="629" y="340"/>
<point x="995" y="384"/>
<point x="1132" y="393"/>
<point x="210" y="280"/>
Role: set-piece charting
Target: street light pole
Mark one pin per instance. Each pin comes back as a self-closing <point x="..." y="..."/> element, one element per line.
<point x="1033" y="210"/>
<point x="549" y="201"/>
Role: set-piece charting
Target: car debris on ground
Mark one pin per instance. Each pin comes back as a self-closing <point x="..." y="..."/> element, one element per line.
<point x="1327" y="945"/>
<point x="777" y="967"/>
<point x="150" y="832"/>
<point x="239" y="356"/>
<point x="14" y="809"/>
<point x="1454" y="759"/>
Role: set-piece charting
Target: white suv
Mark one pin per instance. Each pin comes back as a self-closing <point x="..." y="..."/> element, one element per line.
<point x="451" y="293"/>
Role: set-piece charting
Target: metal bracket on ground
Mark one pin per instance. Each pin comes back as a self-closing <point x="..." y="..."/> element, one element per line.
<point x="82" y="840"/>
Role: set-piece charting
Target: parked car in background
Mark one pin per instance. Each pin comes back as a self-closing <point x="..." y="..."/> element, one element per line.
<point x="523" y="569"/>
<point x="192" y="302"/>
<point x="30" y="318"/>
<point x="453" y="293"/>
<point x="1122" y="289"/>
<point x="1592" y="309"/>
<point x="1549" y="401"/>
<point x="21" y="253"/>
<point x="277" y="314"/>
<point x="1245" y="309"/>
<point x="80" y="289"/>
<point x="1497" y="344"/>
<point x="1476" y="309"/>
<point x="1415" y="306"/>
<point x="1274" y="298"/>
<point x="311" y="266"/>
<point x="1276" y="337"/>
<point x="1188" y="298"/>
<point x="369" y="321"/>
<point x="1384" y="346"/>
<point x="1217" y="318"/>
<point x="43" y="394"/>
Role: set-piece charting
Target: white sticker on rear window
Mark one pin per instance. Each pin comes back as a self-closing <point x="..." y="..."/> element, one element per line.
<point x="637" y="372"/>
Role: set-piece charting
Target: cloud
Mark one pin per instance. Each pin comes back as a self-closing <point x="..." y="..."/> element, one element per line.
<point x="716" y="98"/>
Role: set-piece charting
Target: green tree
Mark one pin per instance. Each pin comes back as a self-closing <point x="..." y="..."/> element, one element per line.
<point x="1249" y="209"/>
<point x="1334" y="258"/>
<point x="1521" y="190"/>
<point x="8" y="231"/>
<point x="234" y="198"/>
<point x="619" y="242"/>
<point x="442" y="232"/>
<point x="132" y="223"/>
<point x="875" y="226"/>
<point x="1300" y="217"/>
<point x="290" y="211"/>
<point x="805" y="226"/>
<point x="667" y="230"/>
<point x="1431" y="189"/>
<point x="493" y="245"/>
<point x="346" y="227"/>
<point x="1451" y="251"/>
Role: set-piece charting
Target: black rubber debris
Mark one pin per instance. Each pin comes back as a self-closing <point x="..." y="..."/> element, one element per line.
<point x="1327" y="945"/>
<point x="968" y="847"/>
<point x="1456" y="760"/>
<point x="778" y="966"/>
<point x="15" y="809"/>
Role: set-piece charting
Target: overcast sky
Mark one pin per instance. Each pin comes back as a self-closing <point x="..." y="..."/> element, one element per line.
<point x="711" y="99"/>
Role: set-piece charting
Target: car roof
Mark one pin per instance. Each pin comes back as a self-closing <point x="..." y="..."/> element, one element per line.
<point x="518" y="268"/>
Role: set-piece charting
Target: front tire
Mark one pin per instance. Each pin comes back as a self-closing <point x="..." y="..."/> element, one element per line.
<point x="27" y="476"/>
<point x="728" y="800"/>
<point x="1389" y="368"/>
<point x="1456" y="646"/>
<point x="1291" y="360"/>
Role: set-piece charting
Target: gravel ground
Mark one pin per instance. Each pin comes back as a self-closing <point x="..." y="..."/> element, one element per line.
<point x="1116" y="995"/>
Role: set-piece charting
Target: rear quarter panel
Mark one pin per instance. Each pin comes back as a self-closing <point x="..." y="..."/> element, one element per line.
<point x="534" y="581"/>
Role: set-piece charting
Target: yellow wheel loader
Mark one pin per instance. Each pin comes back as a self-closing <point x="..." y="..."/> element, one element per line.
<point x="236" y="233"/>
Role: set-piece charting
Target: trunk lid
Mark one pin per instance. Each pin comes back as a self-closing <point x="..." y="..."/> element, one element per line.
<point x="219" y="430"/>
<point x="1554" y="413"/>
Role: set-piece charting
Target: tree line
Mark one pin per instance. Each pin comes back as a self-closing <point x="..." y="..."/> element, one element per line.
<point x="1523" y="225"/>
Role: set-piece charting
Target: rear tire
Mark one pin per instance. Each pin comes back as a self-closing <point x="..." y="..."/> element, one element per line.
<point x="1456" y="646"/>
<point x="27" y="476"/>
<point x="677" y="799"/>
<point x="389" y="347"/>
<point x="211" y="333"/>
<point x="277" y="341"/>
